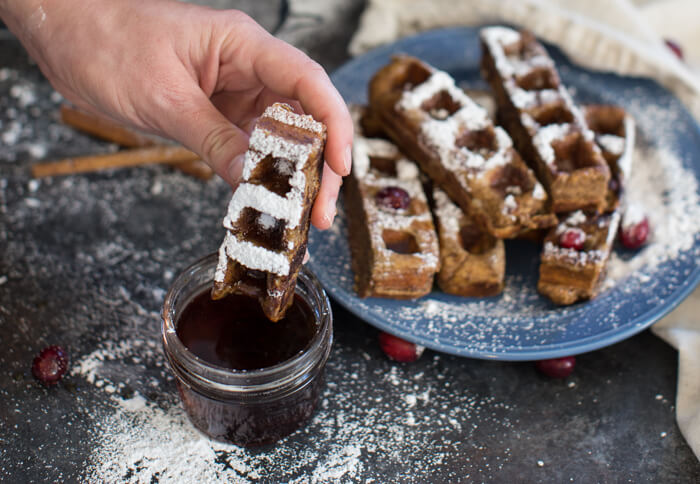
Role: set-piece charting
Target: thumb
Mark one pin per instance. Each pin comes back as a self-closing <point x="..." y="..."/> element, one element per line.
<point x="202" y="128"/>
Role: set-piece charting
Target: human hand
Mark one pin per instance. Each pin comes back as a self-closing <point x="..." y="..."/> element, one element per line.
<point x="193" y="74"/>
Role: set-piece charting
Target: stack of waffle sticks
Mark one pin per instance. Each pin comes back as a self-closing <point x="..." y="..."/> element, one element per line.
<point x="547" y="167"/>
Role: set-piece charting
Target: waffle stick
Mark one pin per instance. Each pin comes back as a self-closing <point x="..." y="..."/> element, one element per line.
<point x="456" y="144"/>
<point x="568" y="275"/>
<point x="547" y="127"/>
<point x="394" y="248"/>
<point x="472" y="262"/>
<point x="268" y="217"/>
<point x="614" y="132"/>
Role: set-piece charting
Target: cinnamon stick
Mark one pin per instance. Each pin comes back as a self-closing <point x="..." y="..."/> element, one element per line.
<point x="108" y="130"/>
<point x="104" y="128"/>
<point x="132" y="157"/>
<point x="197" y="168"/>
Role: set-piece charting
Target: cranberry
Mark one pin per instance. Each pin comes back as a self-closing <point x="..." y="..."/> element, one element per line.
<point x="399" y="349"/>
<point x="675" y="47"/>
<point x="557" y="367"/>
<point x="393" y="197"/>
<point x="50" y="365"/>
<point x="634" y="235"/>
<point x="572" y="238"/>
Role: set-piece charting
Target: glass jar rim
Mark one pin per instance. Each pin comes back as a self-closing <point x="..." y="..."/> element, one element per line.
<point x="218" y="378"/>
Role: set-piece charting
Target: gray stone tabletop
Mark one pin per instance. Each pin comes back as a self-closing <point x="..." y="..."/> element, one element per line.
<point x="85" y="261"/>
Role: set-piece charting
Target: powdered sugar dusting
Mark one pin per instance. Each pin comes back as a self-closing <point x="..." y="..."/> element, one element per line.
<point x="612" y="143"/>
<point x="661" y="189"/>
<point x="253" y="256"/>
<point x="447" y="212"/>
<point x="545" y="137"/>
<point x="284" y="114"/>
<point x="573" y="256"/>
<point x="453" y="141"/>
<point x="144" y="440"/>
<point x="538" y="192"/>
<point x="288" y="207"/>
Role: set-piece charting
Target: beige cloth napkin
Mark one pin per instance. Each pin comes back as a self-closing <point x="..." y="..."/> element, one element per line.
<point x="611" y="35"/>
<point x="616" y="35"/>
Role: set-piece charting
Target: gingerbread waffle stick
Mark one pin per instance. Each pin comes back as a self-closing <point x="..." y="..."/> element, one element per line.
<point x="106" y="129"/>
<point x="547" y="127"/>
<point x="457" y="145"/>
<point x="576" y="251"/>
<point x="267" y="223"/>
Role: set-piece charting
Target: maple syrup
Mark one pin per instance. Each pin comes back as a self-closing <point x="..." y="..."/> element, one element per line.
<point x="234" y="333"/>
<point x="241" y="378"/>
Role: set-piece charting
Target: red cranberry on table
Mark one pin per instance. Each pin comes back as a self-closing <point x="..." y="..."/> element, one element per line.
<point x="634" y="230"/>
<point x="675" y="47"/>
<point x="50" y="365"/>
<point x="393" y="197"/>
<point x="557" y="367"/>
<point x="572" y="238"/>
<point x="399" y="349"/>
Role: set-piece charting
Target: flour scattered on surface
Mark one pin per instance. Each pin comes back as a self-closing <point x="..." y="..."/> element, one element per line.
<point x="141" y="440"/>
<point x="667" y="194"/>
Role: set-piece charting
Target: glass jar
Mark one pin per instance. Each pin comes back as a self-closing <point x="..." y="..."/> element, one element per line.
<point x="246" y="407"/>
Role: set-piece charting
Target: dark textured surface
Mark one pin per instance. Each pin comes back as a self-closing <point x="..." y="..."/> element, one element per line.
<point x="85" y="260"/>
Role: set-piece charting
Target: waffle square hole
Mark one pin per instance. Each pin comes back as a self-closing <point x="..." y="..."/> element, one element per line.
<point x="606" y="120"/>
<point x="573" y="152"/>
<point x="474" y="240"/>
<point x="414" y="75"/>
<point x="482" y="141"/>
<point x="441" y="106"/>
<point x="261" y="229"/>
<point x="371" y="125"/>
<point x="255" y="278"/>
<point x="537" y="79"/>
<point x="526" y="48"/>
<point x="247" y="281"/>
<point x="512" y="179"/>
<point x="387" y="166"/>
<point x="400" y="242"/>
<point x="547" y="114"/>
<point x="273" y="173"/>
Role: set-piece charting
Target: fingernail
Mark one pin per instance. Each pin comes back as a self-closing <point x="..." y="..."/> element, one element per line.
<point x="348" y="159"/>
<point x="235" y="169"/>
<point x="306" y="258"/>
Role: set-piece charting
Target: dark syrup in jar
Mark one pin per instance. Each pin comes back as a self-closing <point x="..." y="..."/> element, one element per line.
<point x="234" y="333"/>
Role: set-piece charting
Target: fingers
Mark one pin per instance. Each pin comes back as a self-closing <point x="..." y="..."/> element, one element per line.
<point x="289" y="72"/>
<point x="244" y="112"/>
<point x="324" y="209"/>
<point x="201" y="127"/>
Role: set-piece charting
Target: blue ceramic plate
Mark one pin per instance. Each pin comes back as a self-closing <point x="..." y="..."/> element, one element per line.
<point x="520" y="324"/>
